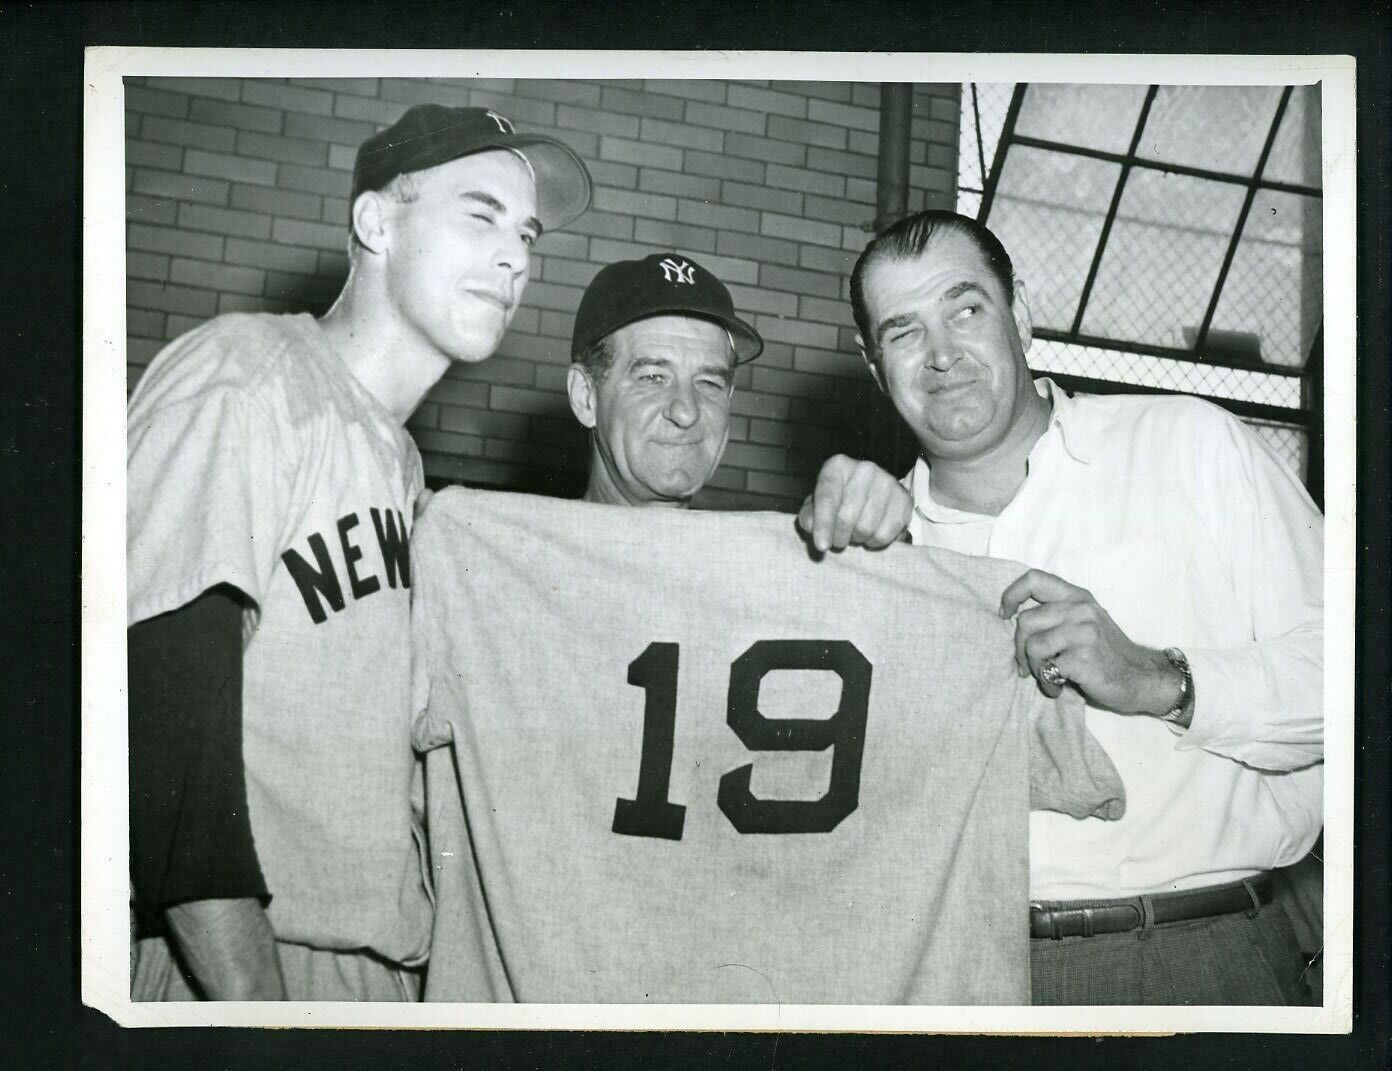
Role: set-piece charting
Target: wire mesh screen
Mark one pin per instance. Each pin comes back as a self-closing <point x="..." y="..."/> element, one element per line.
<point x="1288" y="441"/>
<point x="1088" y="116"/>
<point x="1162" y="259"/>
<point x="1220" y="128"/>
<point x="1273" y="290"/>
<point x="984" y="105"/>
<point x="1169" y="236"/>
<point x="1048" y="211"/>
<point x="1164" y="373"/>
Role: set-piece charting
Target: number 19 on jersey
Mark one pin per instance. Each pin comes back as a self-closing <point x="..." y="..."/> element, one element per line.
<point x="651" y="814"/>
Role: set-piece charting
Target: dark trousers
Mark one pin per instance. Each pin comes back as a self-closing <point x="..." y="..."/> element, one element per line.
<point x="1226" y="959"/>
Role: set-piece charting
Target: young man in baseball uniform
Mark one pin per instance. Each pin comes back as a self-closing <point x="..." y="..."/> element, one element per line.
<point x="274" y="845"/>
<point x="654" y="350"/>
<point x="1177" y="585"/>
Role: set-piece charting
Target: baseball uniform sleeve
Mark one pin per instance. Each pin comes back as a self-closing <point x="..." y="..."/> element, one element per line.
<point x="1069" y="770"/>
<point x="208" y="480"/>
<point x="190" y="835"/>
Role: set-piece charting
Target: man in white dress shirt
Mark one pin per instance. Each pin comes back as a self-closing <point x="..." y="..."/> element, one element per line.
<point x="1175" y="580"/>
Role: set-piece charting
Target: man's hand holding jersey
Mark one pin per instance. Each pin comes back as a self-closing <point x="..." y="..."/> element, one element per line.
<point x="1061" y="625"/>
<point x="855" y="503"/>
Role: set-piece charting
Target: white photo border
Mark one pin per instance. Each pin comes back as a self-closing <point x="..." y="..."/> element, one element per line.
<point x="104" y="778"/>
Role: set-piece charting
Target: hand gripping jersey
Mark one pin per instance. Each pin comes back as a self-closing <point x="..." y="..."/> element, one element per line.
<point x="694" y="764"/>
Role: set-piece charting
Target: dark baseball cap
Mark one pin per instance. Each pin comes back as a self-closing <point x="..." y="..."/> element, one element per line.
<point x="661" y="284"/>
<point x="432" y="134"/>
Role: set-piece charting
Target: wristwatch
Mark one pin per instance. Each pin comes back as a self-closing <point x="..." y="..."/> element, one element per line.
<point x="1183" y="710"/>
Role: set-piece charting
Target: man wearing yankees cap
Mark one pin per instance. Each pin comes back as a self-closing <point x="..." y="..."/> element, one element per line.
<point x="654" y="351"/>
<point x="275" y="850"/>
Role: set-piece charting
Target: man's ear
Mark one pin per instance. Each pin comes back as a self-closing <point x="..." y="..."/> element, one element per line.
<point x="869" y="362"/>
<point x="1024" y="326"/>
<point x="369" y="220"/>
<point x="580" y="390"/>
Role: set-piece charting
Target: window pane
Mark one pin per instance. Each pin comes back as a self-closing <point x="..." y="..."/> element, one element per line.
<point x="1162" y="258"/>
<point x="1273" y="287"/>
<point x="1093" y="116"/>
<point x="1165" y="373"/>
<point x="1222" y="128"/>
<point x="968" y="147"/>
<point x="992" y="101"/>
<point x="1295" y="157"/>
<point x="1048" y="212"/>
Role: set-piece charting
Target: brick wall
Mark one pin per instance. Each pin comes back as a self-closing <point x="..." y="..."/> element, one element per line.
<point x="237" y="200"/>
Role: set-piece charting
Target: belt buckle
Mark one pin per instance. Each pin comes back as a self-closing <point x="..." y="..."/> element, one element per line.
<point x="1053" y="916"/>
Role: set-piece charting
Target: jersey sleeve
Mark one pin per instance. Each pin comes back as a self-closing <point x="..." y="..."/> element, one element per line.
<point x="431" y="727"/>
<point x="1070" y="771"/>
<point x="206" y="492"/>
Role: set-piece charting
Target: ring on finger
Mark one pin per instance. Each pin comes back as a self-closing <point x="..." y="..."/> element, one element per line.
<point x="1049" y="673"/>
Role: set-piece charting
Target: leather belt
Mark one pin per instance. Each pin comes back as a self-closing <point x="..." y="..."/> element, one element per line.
<point x="1085" y="918"/>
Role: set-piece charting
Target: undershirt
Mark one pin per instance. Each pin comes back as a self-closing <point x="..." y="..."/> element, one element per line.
<point x="190" y="833"/>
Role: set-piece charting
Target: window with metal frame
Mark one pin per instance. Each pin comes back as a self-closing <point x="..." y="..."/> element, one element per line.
<point x="1169" y="238"/>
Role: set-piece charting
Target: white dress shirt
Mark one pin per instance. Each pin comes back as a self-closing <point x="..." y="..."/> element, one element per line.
<point x="1190" y="533"/>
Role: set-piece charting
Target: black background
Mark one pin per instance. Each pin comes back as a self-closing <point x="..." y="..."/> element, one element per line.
<point x="42" y="1022"/>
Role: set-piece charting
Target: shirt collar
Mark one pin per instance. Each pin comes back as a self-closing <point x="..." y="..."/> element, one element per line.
<point x="1079" y="442"/>
<point x="923" y="502"/>
<point x="1079" y="439"/>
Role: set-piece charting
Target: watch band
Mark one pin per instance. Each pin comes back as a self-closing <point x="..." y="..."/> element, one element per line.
<point x="1185" y="703"/>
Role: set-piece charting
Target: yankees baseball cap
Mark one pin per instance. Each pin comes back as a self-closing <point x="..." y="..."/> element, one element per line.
<point x="432" y="134"/>
<point x="661" y="284"/>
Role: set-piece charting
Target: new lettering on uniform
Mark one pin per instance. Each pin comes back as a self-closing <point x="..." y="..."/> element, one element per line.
<point x="672" y="758"/>
<point x="319" y="583"/>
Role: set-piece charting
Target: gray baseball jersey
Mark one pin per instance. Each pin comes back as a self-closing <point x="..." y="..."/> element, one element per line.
<point x="256" y="459"/>
<point x="694" y="764"/>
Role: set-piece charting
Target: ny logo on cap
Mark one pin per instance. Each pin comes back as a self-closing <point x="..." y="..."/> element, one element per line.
<point x="504" y="123"/>
<point x="677" y="273"/>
